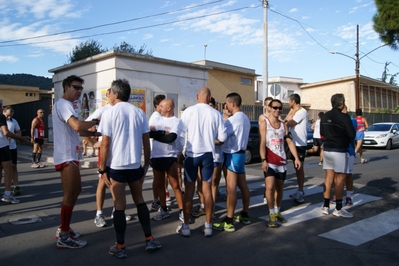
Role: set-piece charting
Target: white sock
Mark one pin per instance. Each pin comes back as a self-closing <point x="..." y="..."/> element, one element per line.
<point x="99" y="213"/>
<point x="276" y="209"/>
<point x="272" y="211"/>
<point x="349" y="194"/>
<point x="202" y="206"/>
<point x="7" y="193"/>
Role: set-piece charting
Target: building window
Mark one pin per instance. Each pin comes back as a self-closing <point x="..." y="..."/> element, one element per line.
<point x="30" y="94"/>
<point x="246" y="81"/>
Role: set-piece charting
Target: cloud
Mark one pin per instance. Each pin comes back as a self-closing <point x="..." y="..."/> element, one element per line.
<point x="8" y="58"/>
<point x="147" y="36"/>
<point x="164" y="40"/>
<point x="293" y="10"/>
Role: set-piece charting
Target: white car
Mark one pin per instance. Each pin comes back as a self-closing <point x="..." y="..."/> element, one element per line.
<point x="384" y="134"/>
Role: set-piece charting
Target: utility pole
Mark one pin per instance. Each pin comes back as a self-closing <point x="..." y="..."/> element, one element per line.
<point x="265" y="77"/>
<point x="205" y="45"/>
<point x="357" y="89"/>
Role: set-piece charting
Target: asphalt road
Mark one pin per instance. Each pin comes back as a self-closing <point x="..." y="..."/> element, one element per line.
<point x="309" y="238"/>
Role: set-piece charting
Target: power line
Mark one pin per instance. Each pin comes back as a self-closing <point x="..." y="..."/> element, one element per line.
<point x="113" y="23"/>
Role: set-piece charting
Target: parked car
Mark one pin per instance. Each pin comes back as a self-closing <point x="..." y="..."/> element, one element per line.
<point x="384" y="134"/>
<point x="252" y="151"/>
<point x="309" y="137"/>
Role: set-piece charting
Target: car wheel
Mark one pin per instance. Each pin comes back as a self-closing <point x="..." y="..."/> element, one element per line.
<point x="389" y="145"/>
<point x="248" y="156"/>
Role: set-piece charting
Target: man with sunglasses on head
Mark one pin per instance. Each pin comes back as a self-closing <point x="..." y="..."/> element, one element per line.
<point x="37" y="138"/>
<point x="67" y="153"/>
<point x="297" y="120"/>
<point x="273" y="134"/>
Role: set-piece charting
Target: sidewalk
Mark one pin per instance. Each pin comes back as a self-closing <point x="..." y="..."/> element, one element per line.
<point x="25" y="151"/>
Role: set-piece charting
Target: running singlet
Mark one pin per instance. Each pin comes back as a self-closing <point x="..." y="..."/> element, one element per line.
<point x="360" y="124"/>
<point x="275" y="150"/>
<point x="39" y="129"/>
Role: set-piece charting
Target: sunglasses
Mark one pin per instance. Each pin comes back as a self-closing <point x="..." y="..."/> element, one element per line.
<point x="277" y="107"/>
<point x="77" y="87"/>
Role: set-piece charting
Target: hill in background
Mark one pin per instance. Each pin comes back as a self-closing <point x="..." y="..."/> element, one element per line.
<point x="27" y="80"/>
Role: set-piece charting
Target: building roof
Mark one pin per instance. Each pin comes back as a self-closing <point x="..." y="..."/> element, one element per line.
<point x="226" y="67"/>
<point x="113" y="53"/>
<point x="363" y="80"/>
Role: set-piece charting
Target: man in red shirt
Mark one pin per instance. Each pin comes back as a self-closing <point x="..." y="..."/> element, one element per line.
<point x="37" y="138"/>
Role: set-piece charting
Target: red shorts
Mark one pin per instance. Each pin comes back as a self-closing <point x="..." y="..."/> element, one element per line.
<point x="58" y="167"/>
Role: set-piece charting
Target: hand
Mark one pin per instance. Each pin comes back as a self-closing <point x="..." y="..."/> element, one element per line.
<point x="153" y="128"/>
<point x="106" y="180"/>
<point x="298" y="164"/>
<point x="32" y="141"/>
<point x="265" y="166"/>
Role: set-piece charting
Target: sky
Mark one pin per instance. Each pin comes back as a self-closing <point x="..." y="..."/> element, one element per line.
<point x="36" y="36"/>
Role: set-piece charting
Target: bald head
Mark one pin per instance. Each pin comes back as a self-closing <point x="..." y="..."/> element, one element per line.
<point x="40" y="113"/>
<point x="167" y="106"/>
<point x="204" y="95"/>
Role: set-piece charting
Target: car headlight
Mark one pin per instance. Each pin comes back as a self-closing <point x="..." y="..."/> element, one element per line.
<point x="381" y="136"/>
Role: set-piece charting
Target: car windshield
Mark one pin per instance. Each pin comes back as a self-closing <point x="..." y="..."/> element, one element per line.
<point x="379" y="127"/>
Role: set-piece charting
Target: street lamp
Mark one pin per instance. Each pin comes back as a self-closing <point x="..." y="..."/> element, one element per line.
<point x="357" y="67"/>
<point x="205" y="45"/>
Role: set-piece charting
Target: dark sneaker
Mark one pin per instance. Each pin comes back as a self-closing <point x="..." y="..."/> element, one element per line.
<point x="280" y="218"/>
<point x="161" y="215"/>
<point x="223" y="226"/>
<point x="242" y="219"/>
<point x="183" y="231"/>
<point x="119" y="253"/>
<point x="199" y="212"/>
<point x="9" y="199"/>
<point x="70" y="243"/>
<point x="348" y="201"/>
<point x="155" y="206"/>
<point x="16" y="191"/>
<point x="152" y="245"/>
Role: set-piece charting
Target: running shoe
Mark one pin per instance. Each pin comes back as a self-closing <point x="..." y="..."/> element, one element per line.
<point x="16" y="191"/>
<point x="348" y="201"/>
<point x="364" y="160"/>
<point x="70" y="243"/>
<point x="181" y="218"/>
<point x="264" y="200"/>
<point x="34" y="165"/>
<point x="161" y="215"/>
<point x="242" y="219"/>
<point x="100" y="221"/>
<point x="72" y="234"/>
<point x="183" y="231"/>
<point x="223" y="226"/>
<point x="272" y="221"/>
<point x="342" y="213"/>
<point x="321" y="163"/>
<point x="280" y="218"/>
<point x="119" y="253"/>
<point x="325" y="210"/>
<point x="152" y="245"/>
<point x="9" y="199"/>
<point x="40" y="165"/>
<point x="167" y="196"/>
<point x="298" y="196"/>
<point x="207" y="231"/>
<point x="155" y="205"/>
<point x="199" y="212"/>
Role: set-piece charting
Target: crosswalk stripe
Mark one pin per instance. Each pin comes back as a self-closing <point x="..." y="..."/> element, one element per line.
<point x="308" y="212"/>
<point x="365" y="230"/>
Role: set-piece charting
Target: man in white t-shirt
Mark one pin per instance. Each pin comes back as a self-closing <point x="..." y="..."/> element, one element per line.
<point x="237" y="130"/>
<point x="124" y="130"/>
<point x="155" y="205"/>
<point x="297" y="120"/>
<point x="166" y="147"/>
<point x="67" y="153"/>
<point x="202" y="126"/>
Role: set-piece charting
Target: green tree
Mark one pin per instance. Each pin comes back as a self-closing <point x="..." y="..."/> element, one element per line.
<point x="84" y="50"/>
<point x="128" y="48"/>
<point x="386" y="22"/>
<point x="385" y="75"/>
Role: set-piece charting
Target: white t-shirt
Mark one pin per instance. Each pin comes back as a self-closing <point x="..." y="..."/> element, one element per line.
<point x="316" y="132"/>
<point x="202" y="126"/>
<point x="98" y="112"/>
<point x="237" y="130"/>
<point x="153" y="119"/>
<point x="3" y="139"/>
<point x="66" y="140"/>
<point x="172" y="125"/>
<point x="13" y="126"/>
<point x="299" y="131"/>
<point x="125" y="124"/>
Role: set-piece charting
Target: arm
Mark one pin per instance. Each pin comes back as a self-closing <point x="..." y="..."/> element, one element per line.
<point x="313" y="125"/>
<point x="81" y="126"/>
<point x="291" y="146"/>
<point x="161" y="136"/>
<point x="9" y="134"/>
<point x="262" y="145"/>
<point x="366" y="123"/>
<point x="104" y="150"/>
<point x="32" y="130"/>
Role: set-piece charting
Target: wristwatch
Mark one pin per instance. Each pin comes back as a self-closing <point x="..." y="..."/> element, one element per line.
<point x="101" y="172"/>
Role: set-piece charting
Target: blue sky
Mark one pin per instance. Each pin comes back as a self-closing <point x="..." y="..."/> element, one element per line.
<point x="300" y="34"/>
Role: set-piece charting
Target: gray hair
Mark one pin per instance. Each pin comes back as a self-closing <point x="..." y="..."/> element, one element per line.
<point x="122" y="87"/>
<point x="337" y="100"/>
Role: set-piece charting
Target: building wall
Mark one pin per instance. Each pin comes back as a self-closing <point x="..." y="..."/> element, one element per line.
<point x="12" y="94"/>
<point x="222" y="83"/>
<point x="319" y="97"/>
